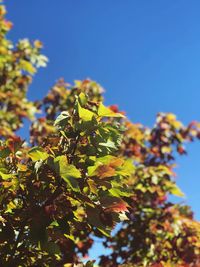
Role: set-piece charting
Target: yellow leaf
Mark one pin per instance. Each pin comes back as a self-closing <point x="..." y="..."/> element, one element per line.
<point x="85" y="114"/>
<point x="27" y="66"/>
<point x="106" y="112"/>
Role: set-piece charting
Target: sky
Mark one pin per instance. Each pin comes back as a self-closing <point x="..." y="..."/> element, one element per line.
<point x="146" y="54"/>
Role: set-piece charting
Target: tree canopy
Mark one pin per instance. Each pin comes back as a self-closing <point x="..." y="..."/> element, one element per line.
<point x="84" y="169"/>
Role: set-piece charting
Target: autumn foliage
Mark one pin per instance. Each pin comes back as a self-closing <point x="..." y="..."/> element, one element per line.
<point x="84" y="169"/>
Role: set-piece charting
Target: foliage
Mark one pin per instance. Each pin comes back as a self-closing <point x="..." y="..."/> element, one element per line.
<point x="158" y="233"/>
<point x="17" y="65"/>
<point x="85" y="169"/>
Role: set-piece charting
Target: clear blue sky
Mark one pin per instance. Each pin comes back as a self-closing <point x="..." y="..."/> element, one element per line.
<point x="146" y="54"/>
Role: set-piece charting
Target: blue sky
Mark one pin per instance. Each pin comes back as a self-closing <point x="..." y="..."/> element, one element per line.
<point x="146" y="54"/>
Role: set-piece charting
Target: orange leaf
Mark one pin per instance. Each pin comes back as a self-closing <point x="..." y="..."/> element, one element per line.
<point x="105" y="171"/>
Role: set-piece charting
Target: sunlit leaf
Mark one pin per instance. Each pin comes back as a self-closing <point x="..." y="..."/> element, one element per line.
<point x="38" y="153"/>
<point x="85" y="114"/>
<point x="67" y="171"/>
<point x="106" y="112"/>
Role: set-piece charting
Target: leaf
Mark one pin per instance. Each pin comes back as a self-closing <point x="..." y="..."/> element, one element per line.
<point x="105" y="160"/>
<point x="67" y="171"/>
<point x="72" y="183"/>
<point x="22" y="167"/>
<point x="109" y="144"/>
<point x="101" y="170"/>
<point x="116" y="162"/>
<point x="27" y="66"/>
<point x="113" y="204"/>
<point x="62" y="119"/>
<point x="38" y="153"/>
<point x="170" y="116"/>
<point x="10" y="206"/>
<point x="82" y="98"/>
<point x="175" y="190"/>
<point x="105" y="171"/>
<point x="5" y="152"/>
<point x="109" y="166"/>
<point x="102" y="161"/>
<point x="127" y="169"/>
<point x="118" y="207"/>
<point x="5" y="176"/>
<point x="71" y="237"/>
<point x="154" y="179"/>
<point x="93" y="216"/>
<point x="166" y="149"/>
<point x="120" y="192"/>
<point x="92" y="186"/>
<point x="85" y="114"/>
<point x="106" y="112"/>
<point x="41" y="61"/>
<point x="141" y="188"/>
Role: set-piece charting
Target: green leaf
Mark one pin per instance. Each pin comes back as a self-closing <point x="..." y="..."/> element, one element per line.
<point x="120" y="192"/>
<point x="82" y="98"/>
<point x="5" y="176"/>
<point x="62" y="119"/>
<point x="175" y="190"/>
<point x="67" y="171"/>
<point x="106" y="112"/>
<point x="5" y="152"/>
<point x="93" y="216"/>
<point x="72" y="183"/>
<point x="141" y="188"/>
<point x="127" y="168"/>
<point x="92" y="186"/>
<point x="85" y="114"/>
<point x="38" y="153"/>
<point x="109" y="144"/>
<point x="105" y="159"/>
<point x="27" y="66"/>
<point x="100" y="162"/>
<point x="71" y="237"/>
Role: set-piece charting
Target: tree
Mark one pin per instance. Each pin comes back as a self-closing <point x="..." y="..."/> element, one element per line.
<point x="84" y="169"/>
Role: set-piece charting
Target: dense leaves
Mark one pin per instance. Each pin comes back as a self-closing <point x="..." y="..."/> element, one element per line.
<point x="85" y="169"/>
<point x="18" y="63"/>
<point x="158" y="233"/>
